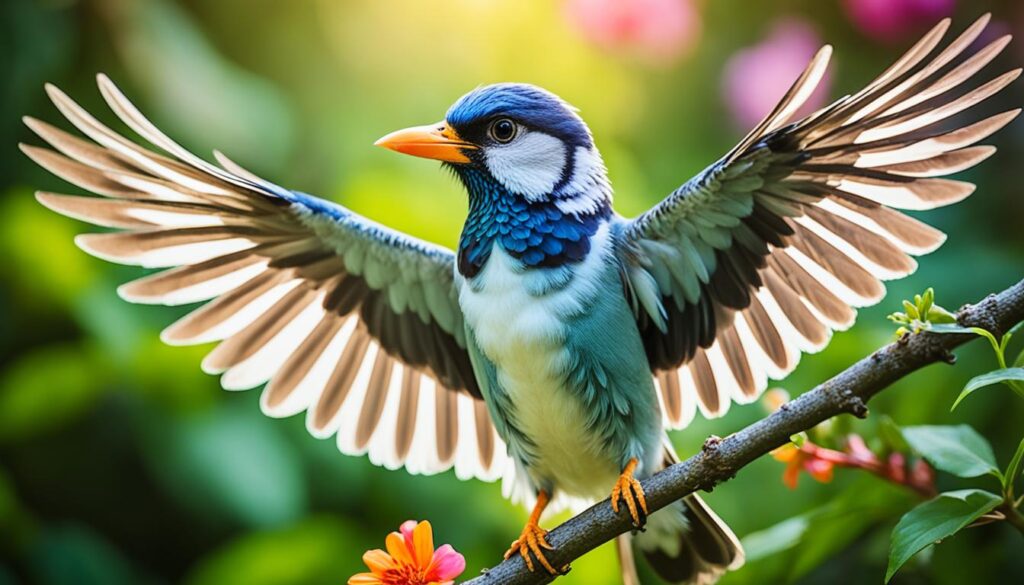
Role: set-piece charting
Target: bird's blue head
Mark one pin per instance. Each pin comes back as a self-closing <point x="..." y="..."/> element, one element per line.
<point x="537" y="185"/>
<point x="518" y="136"/>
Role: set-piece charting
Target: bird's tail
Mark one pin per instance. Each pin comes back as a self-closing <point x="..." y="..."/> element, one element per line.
<point x="683" y="543"/>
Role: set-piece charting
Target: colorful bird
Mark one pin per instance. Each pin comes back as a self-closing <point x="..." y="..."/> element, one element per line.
<point x="561" y="341"/>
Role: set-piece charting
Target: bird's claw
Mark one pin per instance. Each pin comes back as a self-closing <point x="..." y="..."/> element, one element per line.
<point x="629" y="490"/>
<point x="531" y="543"/>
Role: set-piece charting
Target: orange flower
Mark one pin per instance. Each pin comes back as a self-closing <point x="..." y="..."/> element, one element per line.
<point x="805" y="458"/>
<point x="411" y="560"/>
<point x="773" y="399"/>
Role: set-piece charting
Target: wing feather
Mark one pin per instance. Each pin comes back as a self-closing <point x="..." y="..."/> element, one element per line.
<point x="766" y="252"/>
<point x="354" y="323"/>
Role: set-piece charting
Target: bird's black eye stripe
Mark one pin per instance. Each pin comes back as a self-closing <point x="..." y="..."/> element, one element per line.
<point x="503" y="130"/>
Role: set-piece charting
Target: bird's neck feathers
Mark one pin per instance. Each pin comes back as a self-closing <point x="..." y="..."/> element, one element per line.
<point x="541" y="229"/>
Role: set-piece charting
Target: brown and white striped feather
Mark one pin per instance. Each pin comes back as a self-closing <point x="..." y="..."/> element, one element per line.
<point x="284" y="297"/>
<point x="824" y="190"/>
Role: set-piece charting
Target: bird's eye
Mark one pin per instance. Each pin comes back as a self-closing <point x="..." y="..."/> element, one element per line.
<point x="503" y="130"/>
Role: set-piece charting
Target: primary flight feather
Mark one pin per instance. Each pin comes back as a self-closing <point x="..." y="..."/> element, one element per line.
<point x="560" y="341"/>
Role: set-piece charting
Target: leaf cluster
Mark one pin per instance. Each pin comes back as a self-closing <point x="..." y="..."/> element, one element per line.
<point x="958" y="450"/>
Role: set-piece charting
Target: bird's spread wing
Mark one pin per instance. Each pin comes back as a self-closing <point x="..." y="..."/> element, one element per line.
<point x="764" y="253"/>
<point x="354" y="323"/>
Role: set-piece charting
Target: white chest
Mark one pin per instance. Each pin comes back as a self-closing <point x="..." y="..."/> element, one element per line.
<point x="524" y="334"/>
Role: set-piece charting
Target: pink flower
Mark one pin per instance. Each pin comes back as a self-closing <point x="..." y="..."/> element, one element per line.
<point x="898" y="467"/>
<point x="411" y="560"/>
<point x="657" y="31"/>
<point x="756" y="78"/>
<point x="859" y="452"/>
<point x="893" y="20"/>
<point x="923" y="475"/>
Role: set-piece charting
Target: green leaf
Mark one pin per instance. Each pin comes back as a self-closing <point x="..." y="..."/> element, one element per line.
<point x="235" y="467"/>
<point x="938" y="316"/>
<point x="910" y="310"/>
<point x="935" y="520"/>
<point x="48" y="388"/>
<point x="775" y="539"/>
<point x="994" y="377"/>
<point x="798" y="439"/>
<point x="852" y="516"/>
<point x="312" y="551"/>
<point x="892" y="435"/>
<point x="787" y="551"/>
<point x="74" y="554"/>
<point x="50" y="273"/>
<point x="1005" y="341"/>
<point x="1013" y="469"/>
<point x="959" y="450"/>
<point x="1019" y="362"/>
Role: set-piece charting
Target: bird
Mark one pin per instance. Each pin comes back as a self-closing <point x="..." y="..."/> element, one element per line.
<point x="558" y="345"/>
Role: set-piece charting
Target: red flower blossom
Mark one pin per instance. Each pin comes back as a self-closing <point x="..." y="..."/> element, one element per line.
<point x="658" y="31"/>
<point x="411" y="560"/>
<point x="893" y="20"/>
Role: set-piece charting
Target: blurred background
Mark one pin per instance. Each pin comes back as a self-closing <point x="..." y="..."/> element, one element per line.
<point x="120" y="462"/>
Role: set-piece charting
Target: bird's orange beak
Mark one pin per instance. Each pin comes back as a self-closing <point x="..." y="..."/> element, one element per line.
<point x="437" y="141"/>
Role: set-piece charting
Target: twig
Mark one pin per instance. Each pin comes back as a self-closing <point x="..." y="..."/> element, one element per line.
<point x="720" y="459"/>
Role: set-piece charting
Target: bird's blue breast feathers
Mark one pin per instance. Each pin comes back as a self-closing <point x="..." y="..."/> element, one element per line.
<point x="536" y="232"/>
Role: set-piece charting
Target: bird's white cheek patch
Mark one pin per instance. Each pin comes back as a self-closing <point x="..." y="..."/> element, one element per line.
<point x="588" y="173"/>
<point x="587" y="190"/>
<point x="530" y="166"/>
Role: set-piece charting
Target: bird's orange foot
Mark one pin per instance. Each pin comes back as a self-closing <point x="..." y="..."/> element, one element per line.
<point x="628" y="489"/>
<point x="531" y="543"/>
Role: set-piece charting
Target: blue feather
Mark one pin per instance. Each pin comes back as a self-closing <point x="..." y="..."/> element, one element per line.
<point x="535" y="232"/>
<point x="527" y="104"/>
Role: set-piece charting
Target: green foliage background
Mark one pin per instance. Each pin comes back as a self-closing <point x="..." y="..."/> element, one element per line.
<point x="121" y="463"/>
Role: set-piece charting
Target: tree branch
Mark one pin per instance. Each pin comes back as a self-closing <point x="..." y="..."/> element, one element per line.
<point x="720" y="459"/>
